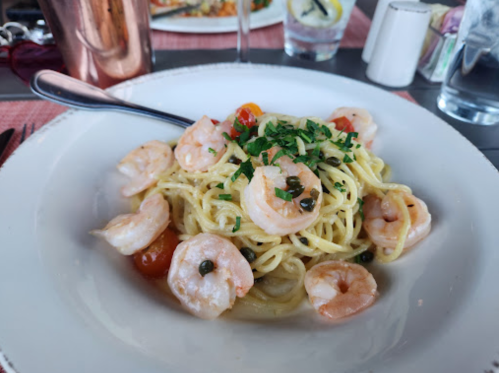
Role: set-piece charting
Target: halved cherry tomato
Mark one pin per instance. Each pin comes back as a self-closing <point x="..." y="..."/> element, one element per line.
<point x="215" y="122"/>
<point x="255" y="109"/>
<point x="343" y="123"/>
<point x="156" y="259"/>
<point x="246" y="118"/>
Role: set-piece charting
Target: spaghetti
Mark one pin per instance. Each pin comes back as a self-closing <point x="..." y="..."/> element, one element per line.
<point x="213" y="202"/>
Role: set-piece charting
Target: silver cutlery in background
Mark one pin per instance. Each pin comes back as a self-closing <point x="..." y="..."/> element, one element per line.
<point x="174" y="12"/>
<point x="67" y="91"/>
<point x="5" y="138"/>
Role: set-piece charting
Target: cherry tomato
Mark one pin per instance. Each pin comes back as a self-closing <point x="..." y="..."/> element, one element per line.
<point x="215" y="122"/>
<point x="246" y="118"/>
<point x="255" y="109"/>
<point x="342" y="123"/>
<point x="156" y="259"/>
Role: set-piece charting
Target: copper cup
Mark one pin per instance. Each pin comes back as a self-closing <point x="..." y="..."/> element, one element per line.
<point x="103" y="42"/>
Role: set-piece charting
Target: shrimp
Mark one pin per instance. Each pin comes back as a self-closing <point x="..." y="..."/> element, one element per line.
<point x="384" y="220"/>
<point x="144" y="164"/>
<point x="207" y="296"/>
<point x="361" y="121"/>
<point x="338" y="289"/>
<point x="130" y="233"/>
<point x="202" y="145"/>
<point x="273" y="214"/>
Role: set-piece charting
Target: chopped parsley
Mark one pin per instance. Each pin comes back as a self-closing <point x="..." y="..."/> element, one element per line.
<point x="282" y="194"/>
<point x="348" y="140"/>
<point x="259" y="145"/>
<point x="347" y="159"/>
<point x="213" y="151"/>
<point x="326" y="131"/>
<point x="238" y="225"/>
<point x="220" y="185"/>
<point x="312" y="126"/>
<point x="278" y="155"/>
<point x="270" y="129"/>
<point x="245" y="168"/>
<point x="361" y="208"/>
<point x="339" y="186"/>
<point x="265" y="158"/>
<point x="225" y="197"/>
<point x="227" y="137"/>
<point x="358" y="146"/>
<point x="240" y="127"/>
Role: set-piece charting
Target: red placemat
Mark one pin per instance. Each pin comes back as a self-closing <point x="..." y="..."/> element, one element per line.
<point x="271" y="37"/>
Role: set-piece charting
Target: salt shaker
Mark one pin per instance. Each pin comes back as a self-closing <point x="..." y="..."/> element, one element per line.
<point x="398" y="45"/>
<point x="379" y="14"/>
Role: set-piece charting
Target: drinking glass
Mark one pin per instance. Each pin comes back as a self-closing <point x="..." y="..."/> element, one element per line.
<point x="470" y="91"/>
<point x="313" y="28"/>
<point x="243" y="31"/>
<point x="102" y="42"/>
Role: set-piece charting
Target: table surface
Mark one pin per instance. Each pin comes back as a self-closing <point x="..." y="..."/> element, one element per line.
<point x="347" y="63"/>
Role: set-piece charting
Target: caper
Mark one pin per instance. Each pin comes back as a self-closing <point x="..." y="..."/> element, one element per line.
<point x="333" y="161"/>
<point x="321" y="154"/>
<point x="206" y="267"/>
<point x="296" y="191"/>
<point x="293" y="181"/>
<point x="314" y="193"/>
<point x="308" y="204"/>
<point x="259" y="279"/>
<point x="248" y="254"/>
<point x="366" y="257"/>
<point x="304" y="240"/>
<point x="233" y="159"/>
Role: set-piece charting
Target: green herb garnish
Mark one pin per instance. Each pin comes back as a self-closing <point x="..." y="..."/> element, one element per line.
<point x="213" y="151"/>
<point x="361" y="208"/>
<point x="265" y="158"/>
<point x="339" y="186"/>
<point x="238" y="224"/>
<point x="225" y="197"/>
<point x="278" y="155"/>
<point x="227" y="137"/>
<point x="220" y="185"/>
<point x="240" y="127"/>
<point x="326" y="131"/>
<point x="270" y="129"/>
<point x="282" y="194"/>
<point x="348" y="140"/>
<point x="245" y="168"/>
<point x="347" y="159"/>
<point x="258" y="146"/>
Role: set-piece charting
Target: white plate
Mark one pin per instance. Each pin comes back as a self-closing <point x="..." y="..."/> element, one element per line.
<point x="208" y="25"/>
<point x="70" y="303"/>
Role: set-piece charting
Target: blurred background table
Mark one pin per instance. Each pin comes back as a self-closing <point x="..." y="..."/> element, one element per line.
<point x="174" y="50"/>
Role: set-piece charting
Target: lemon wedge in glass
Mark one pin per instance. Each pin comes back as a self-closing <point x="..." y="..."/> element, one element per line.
<point x="316" y="13"/>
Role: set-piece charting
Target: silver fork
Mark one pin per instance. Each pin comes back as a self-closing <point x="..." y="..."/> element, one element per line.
<point x="23" y="134"/>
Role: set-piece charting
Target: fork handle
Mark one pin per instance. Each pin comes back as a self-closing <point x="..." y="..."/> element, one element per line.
<point x="64" y="90"/>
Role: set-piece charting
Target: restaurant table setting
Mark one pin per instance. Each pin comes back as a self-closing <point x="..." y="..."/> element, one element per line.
<point x="84" y="82"/>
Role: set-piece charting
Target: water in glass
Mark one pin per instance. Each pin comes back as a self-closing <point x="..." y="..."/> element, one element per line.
<point x="470" y="91"/>
<point x="313" y="28"/>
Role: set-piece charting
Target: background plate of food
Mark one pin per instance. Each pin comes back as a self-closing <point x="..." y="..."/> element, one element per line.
<point x="213" y="16"/>
<point x="70" y="302"/>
